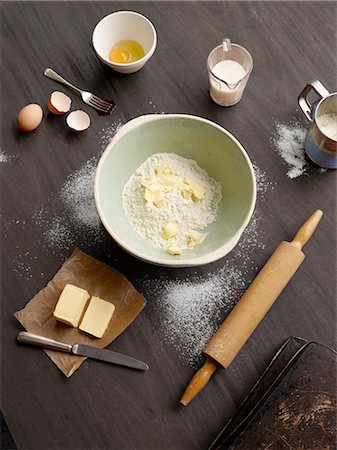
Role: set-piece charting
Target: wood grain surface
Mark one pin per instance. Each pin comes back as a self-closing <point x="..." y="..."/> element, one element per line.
<point x="104" y="407"/>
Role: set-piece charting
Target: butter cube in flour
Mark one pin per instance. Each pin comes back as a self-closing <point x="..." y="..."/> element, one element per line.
<point x="168" y="182"/>
<point x="198" y="191"/>
<point x="169" y="230"/>
<point x="164" y="170"/>
<point x="186" y="192"/>
<point x="174" y="250"/>
<point x="155" y="198"/>
<point x="97" y="317"/>
<point x="70" y="306"/>
<point x="148" y="183"/>
<point x="194" y="238"/>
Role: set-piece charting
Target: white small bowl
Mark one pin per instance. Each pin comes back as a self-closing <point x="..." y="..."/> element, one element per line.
<point x="124" y="25"/>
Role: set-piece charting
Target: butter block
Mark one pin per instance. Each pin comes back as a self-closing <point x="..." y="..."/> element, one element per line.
<point x="97" y="317"/>
<point x="70" y="306"/>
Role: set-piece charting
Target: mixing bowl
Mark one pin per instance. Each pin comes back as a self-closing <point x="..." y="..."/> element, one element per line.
<point x="215" y="150"/>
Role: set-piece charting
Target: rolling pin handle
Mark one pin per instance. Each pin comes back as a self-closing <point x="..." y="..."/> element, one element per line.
<point x="199" y="381"/>
<point x="307" y="229"/>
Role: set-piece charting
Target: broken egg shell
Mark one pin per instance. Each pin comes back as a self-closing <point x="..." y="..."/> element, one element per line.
<point x="78" y="120"/>
<point x="29" y="117"/>
<point x="59" y="103"/>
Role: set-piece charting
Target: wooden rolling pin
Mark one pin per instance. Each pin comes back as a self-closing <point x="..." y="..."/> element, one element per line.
<point x="252" y="307"/>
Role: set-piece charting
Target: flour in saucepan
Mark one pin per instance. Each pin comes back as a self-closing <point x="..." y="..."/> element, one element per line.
<point x="148" y="220"/>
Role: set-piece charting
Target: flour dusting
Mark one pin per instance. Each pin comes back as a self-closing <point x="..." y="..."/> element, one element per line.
<point x="288" y="140"/>
<point x="4" y="157"/>
<point x="77" y="197"/>
<point x="189" y="309"/>
<point x="77" y="222"/>
<point x="24" y="262"/>
<point x="78" y="217"/>
<point x="262" y="182"/>
<point x="59" y="235"/>
<point x="108" y="133"/>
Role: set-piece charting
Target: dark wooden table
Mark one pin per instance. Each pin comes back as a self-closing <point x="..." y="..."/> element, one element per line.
<point x="292" y="43"/>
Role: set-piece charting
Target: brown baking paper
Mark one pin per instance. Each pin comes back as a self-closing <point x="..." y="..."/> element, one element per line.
<point x="98" y="279"/>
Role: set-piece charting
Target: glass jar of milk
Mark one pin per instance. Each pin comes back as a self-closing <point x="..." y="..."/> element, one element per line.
<point x="229" y="66"/>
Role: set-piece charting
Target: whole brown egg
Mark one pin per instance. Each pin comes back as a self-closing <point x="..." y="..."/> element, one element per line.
<point x="29" y="117"/>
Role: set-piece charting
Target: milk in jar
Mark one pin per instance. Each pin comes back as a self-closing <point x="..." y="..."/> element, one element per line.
<point x="231" y="72"/>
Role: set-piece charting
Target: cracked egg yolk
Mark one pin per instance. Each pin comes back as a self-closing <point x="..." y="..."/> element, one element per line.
<point x="126" y="51"/>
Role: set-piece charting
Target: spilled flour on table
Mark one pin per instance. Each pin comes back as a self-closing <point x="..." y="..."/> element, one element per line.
<point x="77" y="222"/>
<point x="77" y="196"/>
<point x="262" y="182"/>
<point x="5" y="158"/>
<point x="108" y="133"/>
<point x="189" y="310"/>
<point x="77" y="218"/>
<point x="59" y="234"/>
<point x="288" y="140"/>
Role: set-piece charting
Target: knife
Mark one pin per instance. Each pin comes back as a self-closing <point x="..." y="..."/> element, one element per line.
<point x="82" y="350"/>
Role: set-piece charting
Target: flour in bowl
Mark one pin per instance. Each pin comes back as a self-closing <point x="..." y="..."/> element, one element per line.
<point x="328" y="125"/>
<point x="169" y="200"/>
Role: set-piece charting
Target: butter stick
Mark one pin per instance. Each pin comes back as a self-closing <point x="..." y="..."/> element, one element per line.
<point x="97" y="317"/>
<point x="70" y="306"/>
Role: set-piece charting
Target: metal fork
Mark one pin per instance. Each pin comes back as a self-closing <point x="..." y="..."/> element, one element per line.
<point x="90" y="99"/>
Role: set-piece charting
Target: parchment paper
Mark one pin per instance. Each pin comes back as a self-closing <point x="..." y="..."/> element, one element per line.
<point x="98" y="279"/>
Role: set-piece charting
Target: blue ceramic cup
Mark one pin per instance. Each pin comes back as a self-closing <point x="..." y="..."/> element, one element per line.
<point x="321" y="141"/>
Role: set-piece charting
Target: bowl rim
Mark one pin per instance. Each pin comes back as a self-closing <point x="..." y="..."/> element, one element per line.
<point x="134" y="63"/>
<point x="220" y="252"/>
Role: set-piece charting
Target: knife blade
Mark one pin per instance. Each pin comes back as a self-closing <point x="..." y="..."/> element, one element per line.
<point x="82" y="350"/>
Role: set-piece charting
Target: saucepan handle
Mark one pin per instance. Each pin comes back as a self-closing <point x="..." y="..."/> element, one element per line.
<point x="41" y="341"/>
<point x="303" y="101"/>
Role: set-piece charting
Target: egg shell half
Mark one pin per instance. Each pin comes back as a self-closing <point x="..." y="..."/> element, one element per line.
<point x="78" y="120"/>
<point x="29" y="117"/>
<point x="59" y="103"/>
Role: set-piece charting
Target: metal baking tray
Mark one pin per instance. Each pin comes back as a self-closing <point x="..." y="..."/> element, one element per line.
<point x="292" y="404"/>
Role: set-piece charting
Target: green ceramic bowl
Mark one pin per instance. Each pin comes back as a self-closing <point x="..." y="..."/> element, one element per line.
<point x="214" y="149"/>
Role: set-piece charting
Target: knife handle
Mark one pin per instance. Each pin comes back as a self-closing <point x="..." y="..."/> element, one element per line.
<point x="40" y="341"/>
